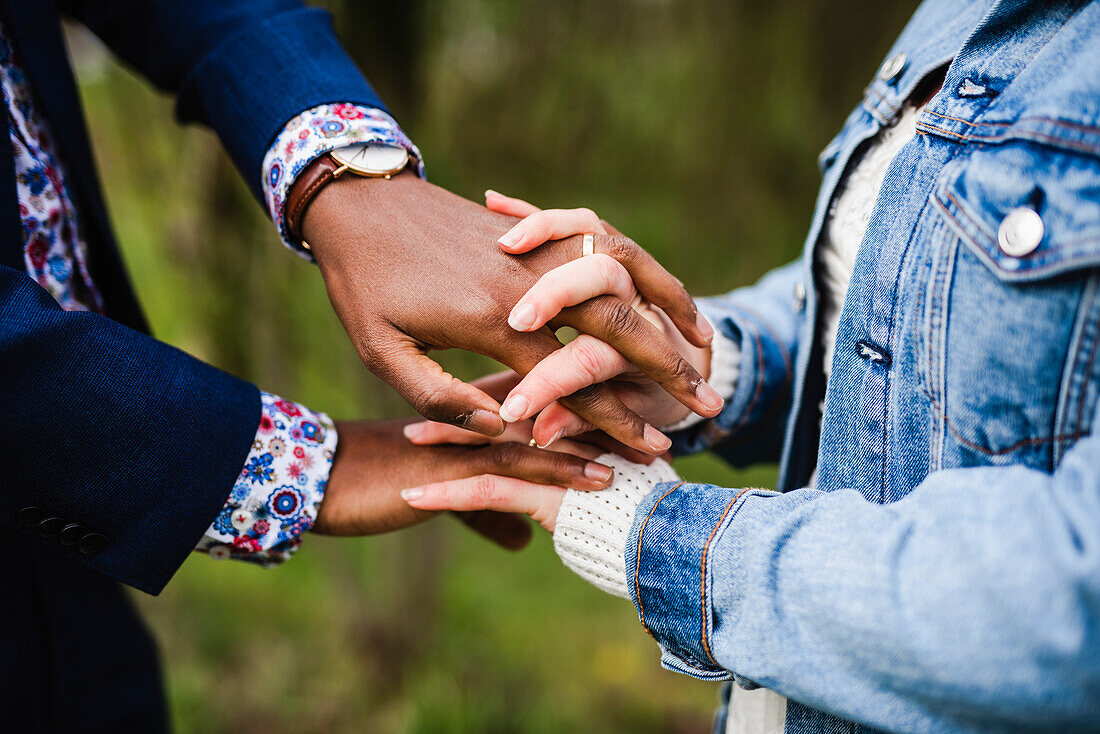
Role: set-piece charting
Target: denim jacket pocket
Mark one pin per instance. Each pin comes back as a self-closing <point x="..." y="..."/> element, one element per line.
<point x="1014" y="337"/>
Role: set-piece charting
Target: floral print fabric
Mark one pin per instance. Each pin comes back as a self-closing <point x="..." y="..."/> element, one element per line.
<point x="282" y="483"/>
<point x="54" y="252"/>
<point x="279" y="489"/>
<point x="315" y="132"/>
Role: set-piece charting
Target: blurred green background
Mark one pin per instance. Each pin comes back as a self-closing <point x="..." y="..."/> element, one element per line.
<point x="693" y="126"/>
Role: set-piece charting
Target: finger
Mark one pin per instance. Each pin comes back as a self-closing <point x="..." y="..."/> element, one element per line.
<point x="616" y="323"/>
<point x="521" y="461"/>
<point x="577" y="448"/>
<point x="435" y="394"/>
<point x="597" y="404"/>
<point x="567" y="285"/>
<point x="488" y="492"/>
<point x="508" y="530"/>
<point x="557" y="423"/>
<point x="498" y="202"/>
<point x="582" y="362"/>
<point x="557" y="420"/>
<point x="550" y="224"/>
<point x="602" y="408"/>
<point x="427" y="433"/>
<point x="659" y="286"/>
<point x="606" y="443"/>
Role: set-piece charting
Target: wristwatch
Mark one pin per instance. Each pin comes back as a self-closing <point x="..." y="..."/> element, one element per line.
<point x="372" y="160"/>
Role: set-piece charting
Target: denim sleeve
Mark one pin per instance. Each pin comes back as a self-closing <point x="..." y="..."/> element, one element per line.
<point x="970" y="604"/>
<point x="765" y="320"/>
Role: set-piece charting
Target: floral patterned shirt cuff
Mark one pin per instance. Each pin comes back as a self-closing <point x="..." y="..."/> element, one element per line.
<point x="279" y="489"/>
<point x="315" y="132"/>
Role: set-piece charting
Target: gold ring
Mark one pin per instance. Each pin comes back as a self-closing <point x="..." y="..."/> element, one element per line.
<point x="533" y="443"/>
<point x="588" y="245"/>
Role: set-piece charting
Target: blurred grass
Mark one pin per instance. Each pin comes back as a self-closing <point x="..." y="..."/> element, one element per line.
<point x="693" y="126"/>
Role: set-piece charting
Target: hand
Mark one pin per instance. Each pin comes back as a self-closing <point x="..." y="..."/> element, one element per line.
<point x="410" y="267"/>
<point x="584" y="360"/>
<point x="541" y="502"/>
<point x="590" y="445"/>
<point x="374" y="463"/>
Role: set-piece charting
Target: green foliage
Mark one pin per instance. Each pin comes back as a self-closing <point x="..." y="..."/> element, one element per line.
<point x="693" y="126"/>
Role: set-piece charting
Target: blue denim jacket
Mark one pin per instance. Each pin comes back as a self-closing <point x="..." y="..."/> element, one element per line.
<point x="944" y="572"/>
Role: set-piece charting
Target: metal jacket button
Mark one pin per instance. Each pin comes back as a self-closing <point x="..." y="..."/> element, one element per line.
<point x="1020" y="232"/>
<point x="892" y="67"/>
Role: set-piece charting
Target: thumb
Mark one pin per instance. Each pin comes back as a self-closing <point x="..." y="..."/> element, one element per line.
<point x="435" y="393"/>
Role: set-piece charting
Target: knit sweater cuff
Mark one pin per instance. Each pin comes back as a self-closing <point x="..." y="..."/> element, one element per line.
<point x="592" y="527"/>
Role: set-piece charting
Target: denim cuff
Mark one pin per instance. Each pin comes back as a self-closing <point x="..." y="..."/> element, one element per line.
<point x="667" y="573"/>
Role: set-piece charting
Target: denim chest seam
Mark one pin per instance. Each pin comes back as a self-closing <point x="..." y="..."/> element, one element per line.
<point x="1072" y="419"/>
<point x="937" y="300"/>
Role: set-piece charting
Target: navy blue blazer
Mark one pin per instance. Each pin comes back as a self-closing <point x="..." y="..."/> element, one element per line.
<point x="78" y="513"/>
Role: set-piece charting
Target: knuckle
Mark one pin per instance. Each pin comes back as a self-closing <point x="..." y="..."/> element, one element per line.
<point x="621" y="248"/>
<point x="618" y="316"/>
<point x="588" y="355"/>
<point x="430" y="403"/>
<point x="483" y="490"/>
<point x="607" y="268"/>
<point x="680" y="370"/>
<point x="587" y="398"/>
<point x="504" y="457"/>
<point x="588" y="215"/>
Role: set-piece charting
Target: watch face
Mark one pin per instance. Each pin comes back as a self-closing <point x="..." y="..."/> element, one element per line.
<point x="372" y="159"/>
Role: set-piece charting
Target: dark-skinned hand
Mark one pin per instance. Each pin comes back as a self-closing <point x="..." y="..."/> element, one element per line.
<point x="411" y="267"/>
<point x="374" y="462"/>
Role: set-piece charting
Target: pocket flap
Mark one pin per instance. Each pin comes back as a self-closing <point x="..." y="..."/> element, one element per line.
<point x="1063" y="188"/>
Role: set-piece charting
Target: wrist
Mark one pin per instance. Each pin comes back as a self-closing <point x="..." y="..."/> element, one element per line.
<point x="371" y="200"/>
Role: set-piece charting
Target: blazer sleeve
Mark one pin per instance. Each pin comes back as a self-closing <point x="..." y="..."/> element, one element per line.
<point x="114" y="435"/>
<point x="242" y="67"/>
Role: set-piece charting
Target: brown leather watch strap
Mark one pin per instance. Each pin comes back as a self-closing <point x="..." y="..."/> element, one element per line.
<point x="309" y="182"/>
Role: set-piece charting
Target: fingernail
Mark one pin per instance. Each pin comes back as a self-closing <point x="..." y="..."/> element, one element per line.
<point x="412" y="494"/>
<point x="522" y="317"/>
<point x="555" y="437"/>
<point x="709" y="397"/>
<point x="597" y="472"/>
<point x="413" y="430"/>
<point x="485" y="422"/>
<point x="656" y="440"/>
<point x="490" y="192"/>
<point x="510" y="239"/>
<point x="514" y="408"/>
<point x="703" y="324"/>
